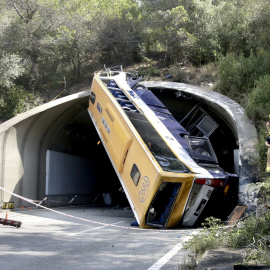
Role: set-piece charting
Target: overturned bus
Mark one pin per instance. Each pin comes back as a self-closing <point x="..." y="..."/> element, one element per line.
<point x="170" y="175"/>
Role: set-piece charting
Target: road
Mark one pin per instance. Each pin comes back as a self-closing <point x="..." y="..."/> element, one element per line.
<point x="71" y="240"/>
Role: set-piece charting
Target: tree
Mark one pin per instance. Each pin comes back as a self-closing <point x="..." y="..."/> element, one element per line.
<point x="10" y="69"/>
<point x="27" y="35"/>
<point x="165" y="29"/>
<point x="259" y="26"/>
<point x="14" y="99"/>
<point x="120" y="37"/>
<point x="59" y="39"/>
<point x="178" y="40"/>
<point x="258" y="107"/>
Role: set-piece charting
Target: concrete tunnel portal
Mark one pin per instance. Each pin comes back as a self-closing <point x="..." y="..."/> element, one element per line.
<point x="53" y="150"/>
<point x="61" y="126"/>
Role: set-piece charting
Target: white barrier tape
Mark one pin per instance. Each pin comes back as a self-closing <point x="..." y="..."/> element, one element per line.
<point x="82" y="219"/>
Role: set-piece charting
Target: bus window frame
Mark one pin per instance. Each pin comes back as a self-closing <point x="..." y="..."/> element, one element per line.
<point x="134" y="174"/>
<point x="92" y="97"/>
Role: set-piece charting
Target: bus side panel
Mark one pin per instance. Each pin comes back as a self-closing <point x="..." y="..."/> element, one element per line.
<point x="125" y="150"/>
<point x="117" y="136"/>
<point x="115" y="133"/>
<point x="143" y="193"/>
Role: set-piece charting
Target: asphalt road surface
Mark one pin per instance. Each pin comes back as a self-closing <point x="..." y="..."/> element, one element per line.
<point x="87" y="238"/>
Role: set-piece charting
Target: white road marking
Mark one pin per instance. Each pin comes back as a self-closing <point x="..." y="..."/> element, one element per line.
<point x="96" y="228"/>
<point x="170" y="254"/>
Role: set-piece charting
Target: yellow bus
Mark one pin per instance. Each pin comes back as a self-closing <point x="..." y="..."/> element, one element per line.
<point x="154" y="157"/>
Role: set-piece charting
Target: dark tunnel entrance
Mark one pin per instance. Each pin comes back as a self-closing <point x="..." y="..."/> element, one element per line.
<point x="190" y="112"/>
<point x="78" y="140"/>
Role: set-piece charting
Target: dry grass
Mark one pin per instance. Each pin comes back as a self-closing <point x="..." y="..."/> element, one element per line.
<point x="204" y="76"/>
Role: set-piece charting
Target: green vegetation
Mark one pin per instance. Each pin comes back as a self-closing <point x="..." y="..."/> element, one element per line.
<point x="251" y="234"/>
<point x="210" y="237"/>
<point x="47" y="45"/>
<point x="16" y="100"/>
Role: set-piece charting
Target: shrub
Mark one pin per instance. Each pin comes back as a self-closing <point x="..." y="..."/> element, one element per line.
<point x="258" y="107"/>
<point x="258" y="252"/>
<point x="180" y="75"/>
<point x="148" y="70"/>
<point x="252" y="234"/>
<point x="236" y="75"/>
<point x="15" y="100"/>
<point x="264" y="195"/>
<point x="152" y="71"/>
<point x="210" y="237"/>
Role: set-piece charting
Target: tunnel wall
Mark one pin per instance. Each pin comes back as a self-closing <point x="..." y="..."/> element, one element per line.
<point x="24" y="141"/>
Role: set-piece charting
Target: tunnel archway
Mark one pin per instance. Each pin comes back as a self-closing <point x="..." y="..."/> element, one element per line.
<point x="64" y="126"/>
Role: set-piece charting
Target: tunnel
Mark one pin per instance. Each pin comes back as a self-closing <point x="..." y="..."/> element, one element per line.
<point x="54" y="153"/>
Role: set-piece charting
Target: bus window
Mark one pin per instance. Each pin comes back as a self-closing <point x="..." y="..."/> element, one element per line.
<point x="135" y="174"/>
<point x="162" y="204"/>
<point x="201" y="149"/>
<point x="157" y="146"/>
<point x="92" y="97"/>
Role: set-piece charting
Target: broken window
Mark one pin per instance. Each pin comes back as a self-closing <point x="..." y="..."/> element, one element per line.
<point x="161" y="207"/>
<point x="92" y="97"/>
<point x="201" y="149"/>
<point x="135" y="174"/>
